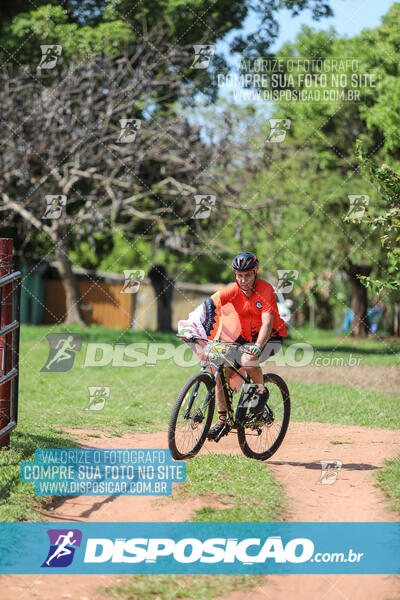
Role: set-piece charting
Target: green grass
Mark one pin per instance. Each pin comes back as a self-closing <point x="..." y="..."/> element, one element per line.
<point x="97" y="333"/>
<point x="330" y="344"/>
<point x="245" y="486"/>
<point x="172" y="587"/>
<point x="327" y="403"/>
<point x="142" y="398"/>
<point x="389" y="481"/>
<point x="18" y="501"/>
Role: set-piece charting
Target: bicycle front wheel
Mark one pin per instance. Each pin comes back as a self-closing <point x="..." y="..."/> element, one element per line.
<point x="260" y="437"/>
<point x="191" y="416"/>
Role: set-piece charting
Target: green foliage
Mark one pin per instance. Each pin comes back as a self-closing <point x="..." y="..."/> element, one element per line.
<point x="190" y="21"/>
<point x="380" y="49"/>
<point x="127" y="255"/>
<point x="181" y="17"/>
<point x="387" y="182"/>
<point x="137" y="252"/>
<point x="305" y="181"/>
<point x="84" y="28"/>
<point x="79" y="11"/>
<point x="50" y="25"/>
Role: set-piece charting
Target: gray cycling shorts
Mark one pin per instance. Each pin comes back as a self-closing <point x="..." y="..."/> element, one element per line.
<point x="271" y="348"/>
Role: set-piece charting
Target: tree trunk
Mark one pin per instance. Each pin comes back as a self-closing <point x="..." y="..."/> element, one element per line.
<point x="70" y="283"/>
<point x="324" y="314"/>
<point x="300" y="313"/>
<point x="359" y="324"/>
<point x="163" y="288"/>
<point x="396" y="320"/>
<point x="312" y="314"/>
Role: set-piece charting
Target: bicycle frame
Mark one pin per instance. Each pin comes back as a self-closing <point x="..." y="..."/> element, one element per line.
<point x="220" y="369"/>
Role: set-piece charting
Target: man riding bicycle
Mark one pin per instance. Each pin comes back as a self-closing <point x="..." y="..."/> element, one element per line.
<point x="256" y="326"/>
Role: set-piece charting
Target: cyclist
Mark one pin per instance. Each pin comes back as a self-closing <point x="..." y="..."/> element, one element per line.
<point x="256" y="326"/>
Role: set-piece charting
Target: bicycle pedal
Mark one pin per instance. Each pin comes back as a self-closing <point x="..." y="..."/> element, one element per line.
<point x="223" y="432"/>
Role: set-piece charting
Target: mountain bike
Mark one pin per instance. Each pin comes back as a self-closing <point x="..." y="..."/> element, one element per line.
<point x="259" y="435"/>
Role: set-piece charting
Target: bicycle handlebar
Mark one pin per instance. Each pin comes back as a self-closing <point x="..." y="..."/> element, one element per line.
<point x="196" y="337"/>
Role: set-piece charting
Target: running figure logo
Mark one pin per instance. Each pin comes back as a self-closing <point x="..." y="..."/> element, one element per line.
<point x="50" y="55"/>
<point x="279" y="128"/>
<point x="97" y="397"/>
<point x="129" y="129"/>
<point x="204" y="203"/>
<point x="358" y="205"/>
<point x="62" y="351"/>
<point x="133" y="279"/>
<point x="54" y="206"/>
<point x="329" y="471"/>
<point x="249" y="397"/>
<point x="63" y="543"/>
<point x="286" y="279"/>
<point x="202" y="55"/>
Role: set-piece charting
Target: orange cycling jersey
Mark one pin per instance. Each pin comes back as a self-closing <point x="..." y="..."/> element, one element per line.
<point x="229" y="313"/>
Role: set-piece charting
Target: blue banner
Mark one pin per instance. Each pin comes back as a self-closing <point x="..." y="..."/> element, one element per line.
<point x="283" y="548"/>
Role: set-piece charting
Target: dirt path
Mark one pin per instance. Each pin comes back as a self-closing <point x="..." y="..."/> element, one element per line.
<point x="352" y="498"/>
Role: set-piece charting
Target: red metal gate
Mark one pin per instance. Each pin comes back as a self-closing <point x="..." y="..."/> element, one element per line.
<point x="10" y="294"/>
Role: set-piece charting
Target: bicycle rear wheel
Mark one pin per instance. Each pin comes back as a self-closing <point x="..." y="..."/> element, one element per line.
<point x="191" y="416"/>
<point x="261" y="437"/>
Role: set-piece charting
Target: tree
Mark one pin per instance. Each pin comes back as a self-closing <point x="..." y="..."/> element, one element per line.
<point x="387" y="223"/>
<point x="88" y="139"/>
<point x="163" y="289"/>
<point x="311" y="174"/>
<point x="186" y="22"/>
<point x="51" y="25"/>
<point x="86" y="28"/>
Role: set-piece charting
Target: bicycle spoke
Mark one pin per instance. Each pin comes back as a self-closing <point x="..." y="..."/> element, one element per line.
<point x="260" y="438"/>
<point x="190" y="423"/>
